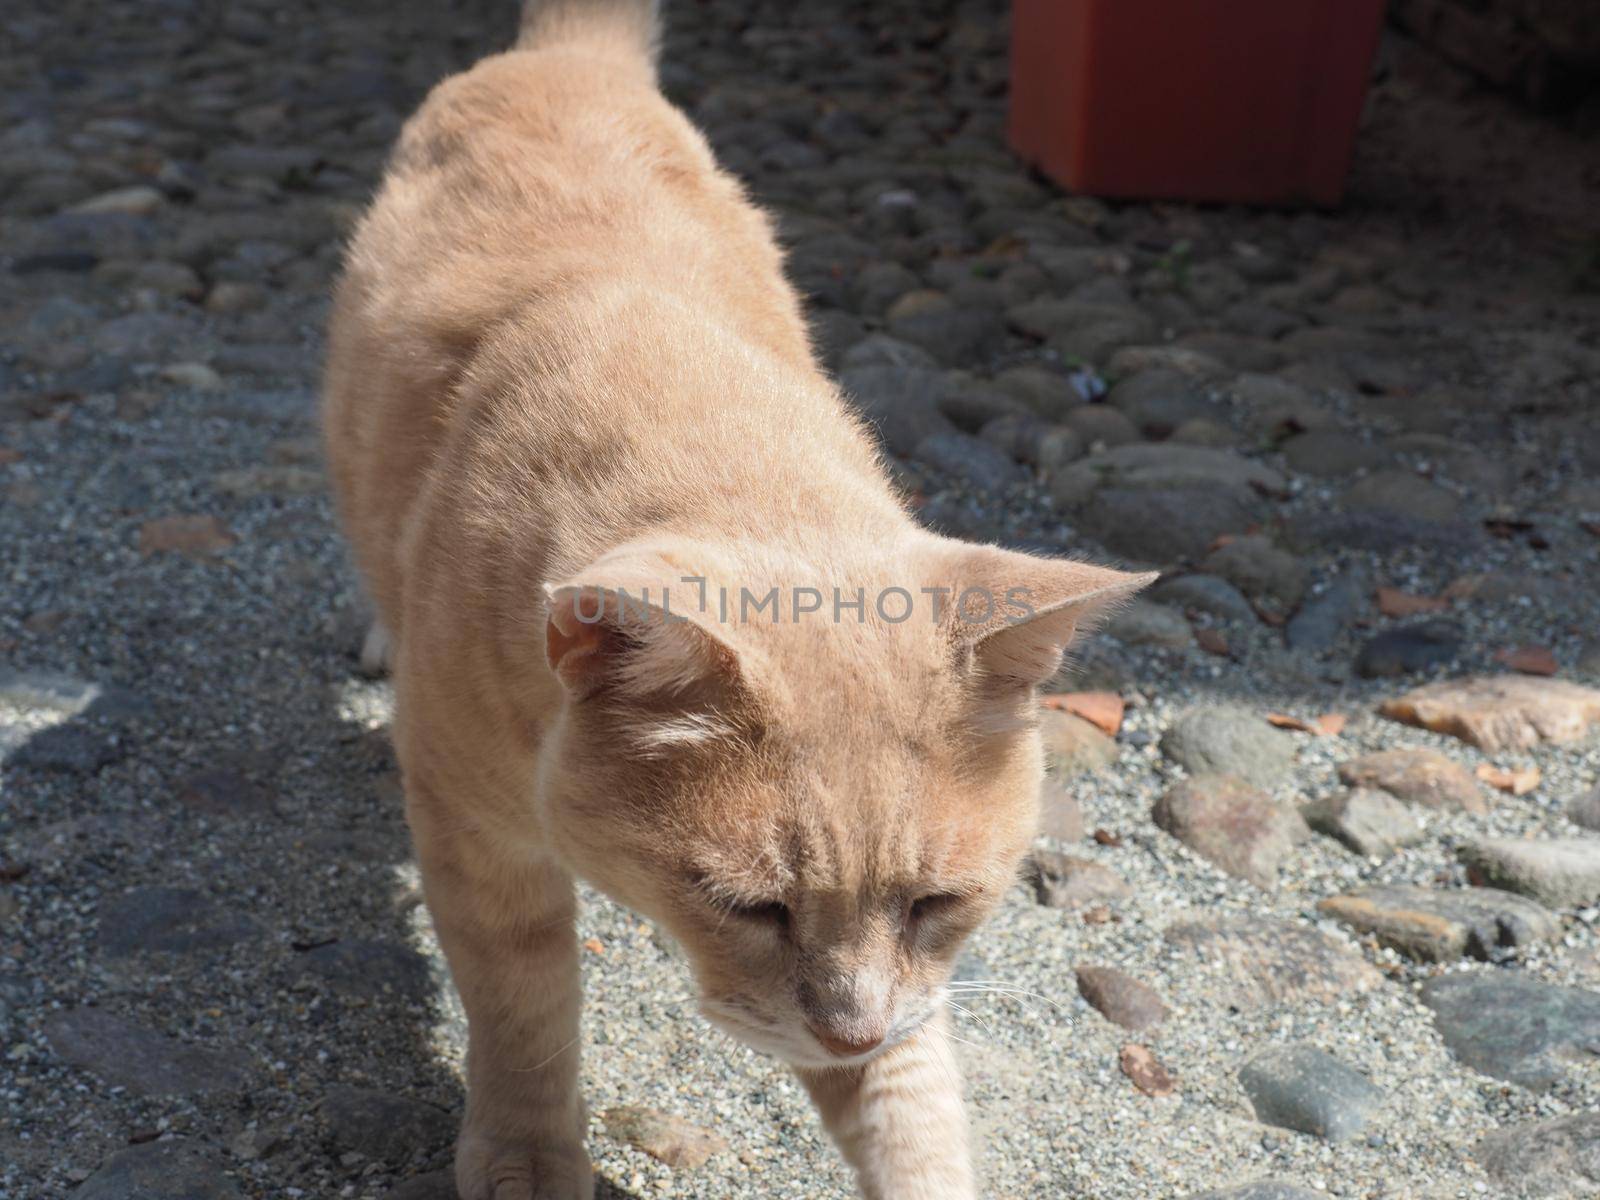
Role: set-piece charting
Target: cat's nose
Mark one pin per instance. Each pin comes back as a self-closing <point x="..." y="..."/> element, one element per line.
<point x="847" y="1047"/>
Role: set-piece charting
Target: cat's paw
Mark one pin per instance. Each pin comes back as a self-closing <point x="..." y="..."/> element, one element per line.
<point x="499" y="1169"/>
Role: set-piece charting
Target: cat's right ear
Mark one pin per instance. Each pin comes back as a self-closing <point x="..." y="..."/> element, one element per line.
<point x="615" y="628"/>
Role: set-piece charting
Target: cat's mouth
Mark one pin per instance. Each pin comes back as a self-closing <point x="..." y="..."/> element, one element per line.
<point x="793" y="1043"/>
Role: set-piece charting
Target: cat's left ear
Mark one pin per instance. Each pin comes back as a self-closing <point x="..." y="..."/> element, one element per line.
<point x="1015" y="614"/>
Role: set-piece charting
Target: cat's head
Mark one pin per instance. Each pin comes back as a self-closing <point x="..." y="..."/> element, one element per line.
<point x="818" y="801"/>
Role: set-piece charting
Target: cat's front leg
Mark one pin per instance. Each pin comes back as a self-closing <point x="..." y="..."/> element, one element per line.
<point x="899" y="1119"/>
<point x="508" y="932"/>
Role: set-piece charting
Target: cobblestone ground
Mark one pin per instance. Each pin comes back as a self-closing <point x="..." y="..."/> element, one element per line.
<point x="1362" y="445"/>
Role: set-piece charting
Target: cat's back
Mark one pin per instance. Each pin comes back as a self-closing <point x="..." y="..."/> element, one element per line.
<point x="536" y="184"/>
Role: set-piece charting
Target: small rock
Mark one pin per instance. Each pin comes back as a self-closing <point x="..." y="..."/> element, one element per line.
<point x="1423" y="777"/>
<point x="1227" y="822"/>
<point x="385" y="1128"/>
<point x="1142" y="622"/>
<point x="979" y="463"/>
<point x="1229" y="741"/>
<point x="1323" y="617"/>
<point x="1266" y="1189"/>
<point x="1163" y="467"/>
<point x="269" y="480"/>
<point x="196" y="377"/>
<point x="1145" y="1072"/>
<point x="1545" y="1160"/>
<point x="169" y="920"/>
<point x="137" y="201"/>
<point x="1443" y="926"/>
<point x="1260" y="570"/>
<point x="1405" y="493"/>
<point x="1585" y="810"/>
<point x="1500" y="712"/>
<point x="1304" y="1089"/>
<point x="1329" y="453"/>
<point x="1073" y="746"/>
<point x="196" y="536"/>
<point x="1514" y="1028"/>
<point x="1258" y="961"/>
<point x="370" y="968"/>
<point x="1207" y="594"/>
<point x="223" y="792"/>
<point x="73" y="749"/>
<point x="145" y="1062"/>
<point x="1060" y="814"/>
<point x="171" y="1169"/>
<point x="1158" y="401"/>
<point x="1121" y="998"/>
<point x="1559" y="872"/>
<point x="1063" y="881"/>
<point x="1164" y="525"/>
<point x="1373" y="824"/>
<point x="1409" y="649"/>
<point x="1097" y="425"/>
<point x="232" y="296"/>
<point x="661" y="1135"/>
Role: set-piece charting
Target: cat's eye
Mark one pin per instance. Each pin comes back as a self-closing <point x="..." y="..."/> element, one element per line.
<point x="932" y="906"/>
<point x="772" y="912"/>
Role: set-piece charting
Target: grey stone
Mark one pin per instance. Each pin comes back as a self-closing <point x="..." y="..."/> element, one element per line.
<point x="1373" y="824"/>
<point x="1207" y="594"/>
<point x="171" y="1169"/>
<point x="170" y="920"/>
<point x="1560" y="872"/>
<point x="1584" y="810"/>
<point x="1405" y="493"/>
<point x="1515" y="1028"/>
<point x="1060" y="813"/>
<point x="1260" y="570"/>
<point x="1545" y="1160"/>
<point x="1121" y="998"/>
<point x="1027" y="439"/>
<point x="1329" y="453"/>
<point x="148" y="1063"/>
<point x="1144" y="623"/>
<point x="1417" y="776"/>
<point x="1258" y="961"/>
<point x="67" y="695"/>
<point x="1230" y="741"/>
<point x="1266" y="1189"/>
<point x="72" y="749"/>
<point x="952" y="333"/>
<point x="972" y="406"/>
<point x="1232" y="825"/>
<point x="1163" y="467"/>
<point x="1304" y="1089"/>
<point x="901" y="403"/>
<point x="388" y="1129"/>
<point x="1324" y="616"/>
<point x="1163" y="526"/>
<point x="1442" y="926"/>
<point x="1409" y="649"/>
<point x="1100" y="426"/>
<point x="370" y="968"/>
<point x="979" y="463"/>
<point x="1064" y="881"/>
<point x="1380" y="533"/>
<point x="1073" y="746"/>
<point x="1160" y="400"/>
<point x="1049" y="394"/>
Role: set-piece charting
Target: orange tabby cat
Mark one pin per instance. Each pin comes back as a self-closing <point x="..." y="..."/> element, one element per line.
<point x="578" y="438"/>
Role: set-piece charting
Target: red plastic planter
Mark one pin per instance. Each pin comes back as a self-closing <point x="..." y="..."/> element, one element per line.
<point x="1250" y="101"/>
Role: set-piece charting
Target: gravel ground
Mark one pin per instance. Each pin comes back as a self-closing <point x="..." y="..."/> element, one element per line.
<point x="210" y="929"/>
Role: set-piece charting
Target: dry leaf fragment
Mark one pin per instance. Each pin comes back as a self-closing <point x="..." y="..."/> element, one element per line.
<point x="196" y="536"/>
<point x="1148" y="1075"/>
<point x="1528" y="660"/>
<point x="1103" y="710"/>
<point x="1327" y="725"/>
<point x="8" y="455"/>
<point x="1212" y="641"/>
<point x="1392" y="602"/>
<point x="594" y="945"/>
<point x="1519" y="781"/>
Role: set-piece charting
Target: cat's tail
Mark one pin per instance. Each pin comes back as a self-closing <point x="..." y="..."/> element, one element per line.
<point x="633" y="26"/>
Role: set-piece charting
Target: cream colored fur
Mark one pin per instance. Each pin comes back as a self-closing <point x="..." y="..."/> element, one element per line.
<point x="564" y="361"/>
